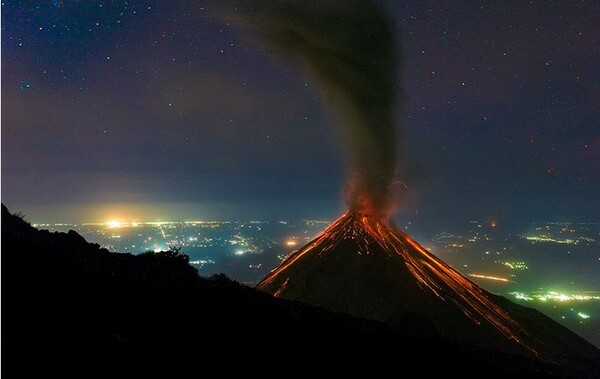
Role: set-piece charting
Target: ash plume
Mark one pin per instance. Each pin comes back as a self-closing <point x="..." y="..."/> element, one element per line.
<point x="350" y="47"/>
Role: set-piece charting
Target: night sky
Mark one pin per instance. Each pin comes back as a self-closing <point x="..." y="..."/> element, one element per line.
<point x="158" y="109"/>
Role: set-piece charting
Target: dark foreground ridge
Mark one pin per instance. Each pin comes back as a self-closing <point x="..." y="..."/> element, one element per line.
<point x="72" y="308"/>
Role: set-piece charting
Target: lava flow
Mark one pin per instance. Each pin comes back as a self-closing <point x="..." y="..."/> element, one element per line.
<point x="369" y="268"/>
<point x="430" y="272"/>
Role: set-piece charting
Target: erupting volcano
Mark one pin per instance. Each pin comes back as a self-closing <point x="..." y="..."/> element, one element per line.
<point x="363" y="264"/>
<point x="369" y="268"/>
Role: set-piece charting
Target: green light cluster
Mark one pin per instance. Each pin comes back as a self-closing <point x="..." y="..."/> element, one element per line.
<point x="555" y="296"/>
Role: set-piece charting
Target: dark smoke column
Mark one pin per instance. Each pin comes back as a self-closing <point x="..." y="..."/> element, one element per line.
<point x="350" y="47"/>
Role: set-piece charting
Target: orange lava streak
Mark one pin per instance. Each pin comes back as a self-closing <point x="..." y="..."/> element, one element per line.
<point x="276" y="294"/>
<point x="290" y="260"/>
<point x="430" y="269"/>
<point x="431" y="273"/>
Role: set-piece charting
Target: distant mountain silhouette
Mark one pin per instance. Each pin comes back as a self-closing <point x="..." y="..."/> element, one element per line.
<point x="368" y="268"/>
<point x="72" y="308"/>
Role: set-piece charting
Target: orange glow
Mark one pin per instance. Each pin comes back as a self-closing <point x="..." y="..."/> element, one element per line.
<point x="431" y="273"/>
<point x="280" y="290"/>
<point x="493" y="224"/>
<point x="291" y="243"/>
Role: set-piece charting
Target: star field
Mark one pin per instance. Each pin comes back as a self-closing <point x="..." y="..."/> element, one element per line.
<point x="152" y="102"/>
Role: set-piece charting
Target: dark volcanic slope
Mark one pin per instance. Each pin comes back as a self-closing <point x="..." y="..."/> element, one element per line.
<point x="71" y="308"/>
<point x="366" y="268"/>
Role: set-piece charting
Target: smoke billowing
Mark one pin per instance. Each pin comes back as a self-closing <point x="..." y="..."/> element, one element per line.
<point x="350" y="47"/>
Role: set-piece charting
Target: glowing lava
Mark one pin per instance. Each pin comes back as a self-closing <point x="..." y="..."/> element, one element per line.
<point x="431" y="273"/>
<point x="369" y="268"/>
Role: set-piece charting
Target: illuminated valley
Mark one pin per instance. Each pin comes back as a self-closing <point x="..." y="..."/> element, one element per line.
<point x="518" y="265"/>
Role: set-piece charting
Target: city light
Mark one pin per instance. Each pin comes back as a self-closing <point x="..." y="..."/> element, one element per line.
<point x="545" y="238"/>
<point x="114" y="224"/>
<point x="516" y="265"/>
<point x="556" y="296"/>
<point x="202" y="262"/>
<point x="521" y="296"/>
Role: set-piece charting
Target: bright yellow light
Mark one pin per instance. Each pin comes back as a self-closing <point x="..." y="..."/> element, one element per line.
<point x="291" y="243"/>
<point x="114" y="224"/>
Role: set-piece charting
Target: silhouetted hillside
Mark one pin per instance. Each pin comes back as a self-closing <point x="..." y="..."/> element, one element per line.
<point x="72" y="308"/>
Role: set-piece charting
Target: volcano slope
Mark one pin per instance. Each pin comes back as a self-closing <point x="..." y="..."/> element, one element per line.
<point x="369" y="268"/>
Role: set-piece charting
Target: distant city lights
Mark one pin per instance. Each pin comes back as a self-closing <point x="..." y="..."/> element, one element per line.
<point x="556" y="296"/>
